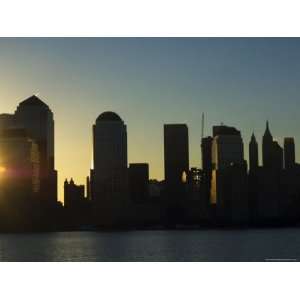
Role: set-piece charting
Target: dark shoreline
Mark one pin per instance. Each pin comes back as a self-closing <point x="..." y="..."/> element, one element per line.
<point x="155" y="228"/>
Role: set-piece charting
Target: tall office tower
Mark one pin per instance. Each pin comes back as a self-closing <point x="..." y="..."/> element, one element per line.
<point x="253" y="178"/>
<point x="267" y="148"/>
<point x="277" y="156"/>
<point x="109" y="180"/>
<point x="253" y="154"/>
<point x="289" y="153"/>
<point x="229" y="175"/>
<point x="194" y="179"/>
<point x="88" y="188"/>
<point x="176" y="154"/>
<point x="227" y="147"/>
<point x="176" y="163"/>
<point x="36" y="118"/>
<point x="6" y="121"/>
<point x="272" y="152"/>
<point x="265" y="186"/>
<point x="138" y="182"/>
<point x="206" y="144"/>
<point x="19" y="177"/>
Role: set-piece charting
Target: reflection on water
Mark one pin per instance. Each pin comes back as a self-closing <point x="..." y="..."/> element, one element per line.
<point x="185" y="245"/>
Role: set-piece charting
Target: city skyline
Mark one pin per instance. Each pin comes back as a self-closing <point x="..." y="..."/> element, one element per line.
<point x="77" y="98"/>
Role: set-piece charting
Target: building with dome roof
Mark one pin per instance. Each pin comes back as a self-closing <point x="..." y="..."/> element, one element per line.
<point x="108" y="116"/>
<point x="109" y="182"/>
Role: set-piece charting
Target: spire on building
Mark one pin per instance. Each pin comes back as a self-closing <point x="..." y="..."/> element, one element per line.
<point x="253" y="138"/>
<point x="267" y="131"/>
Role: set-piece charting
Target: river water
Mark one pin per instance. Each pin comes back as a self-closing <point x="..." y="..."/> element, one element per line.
<point x="156" y="245"/>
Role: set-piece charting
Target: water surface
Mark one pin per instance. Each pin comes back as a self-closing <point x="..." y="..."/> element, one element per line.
<point x="160" y="245"/>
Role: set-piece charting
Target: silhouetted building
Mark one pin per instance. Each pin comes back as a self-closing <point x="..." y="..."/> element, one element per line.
<point x="290" y="194"/>
<point x="272" y="152"/>
<point x="227" y="147"/>
<point x="76" y="206"/>
<point x="7" y="121"/>
<point x="277" y="156"/>
<point x="19" y="178"/>
<point x="194" y="178"/>
<point x="289" y="153"/>
<point x="229" y="175"/>
<point x="109" y="179"/>
<point x="36" y="118"/>
<point x="267" y="150"/>
<point x="88" y="188"/>
<point x="196" y="206"/>
<point x="265" y="182"/>
<point x="206" y="146"/>
<point x="268" y="195"/>
<point x="155" y="189"/>
<point x="176" y="153"/>
<point x="253" y="154"/>
<point x="253" y="179"/>
<point x="225" y="130"/>
<point x="73" y="195"/>
<point x="176" y="162"/>
<point x="138" y="182"/>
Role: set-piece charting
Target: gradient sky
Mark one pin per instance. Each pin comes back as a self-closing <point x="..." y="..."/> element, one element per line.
<point x="149" y="82"/>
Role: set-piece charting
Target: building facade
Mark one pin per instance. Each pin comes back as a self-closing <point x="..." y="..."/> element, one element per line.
<point x="289" y="153"/>
<point x="109" y="178"/>
<point x="139" y="182"/>
<point x="19" y="178"/>
<point x="176" y="154"/>
<point x="229" y="175"/>
<point x="36" y="118"/>
<point x="253" y="154"/>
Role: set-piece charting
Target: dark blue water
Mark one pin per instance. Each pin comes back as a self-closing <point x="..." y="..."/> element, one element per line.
<point x="185" y="245"/>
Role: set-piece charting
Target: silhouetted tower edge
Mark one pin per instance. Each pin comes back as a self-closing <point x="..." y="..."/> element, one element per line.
<point x="202" y="127"/>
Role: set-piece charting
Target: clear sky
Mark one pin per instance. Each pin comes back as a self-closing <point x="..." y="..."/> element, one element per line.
<point x="149" y="82"/>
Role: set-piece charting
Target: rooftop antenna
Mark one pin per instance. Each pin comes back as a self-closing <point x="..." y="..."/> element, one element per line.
<point x="202" y="127"/>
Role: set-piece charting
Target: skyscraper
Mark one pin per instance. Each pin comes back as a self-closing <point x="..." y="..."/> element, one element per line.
<point x="19" y="178"/>
<point x="289" y="153"/>
<point x="267" y="148"/>
<point x="272" y="151"/>
<point x="36" y="118"/>
<point x="176" y="153"/>
<point x="229" y="175"/>
<point x="227" y="147"/>
<point x="206" y="145"/>
<point x="138" y="182"/>
<point x="176" y="162"/>
<point x="253" y="154"/>
<point x="277" y="156"/>
<point x="109" y="180"/>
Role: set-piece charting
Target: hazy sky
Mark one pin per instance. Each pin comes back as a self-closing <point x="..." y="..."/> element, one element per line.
<point x="149" y="82"/>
